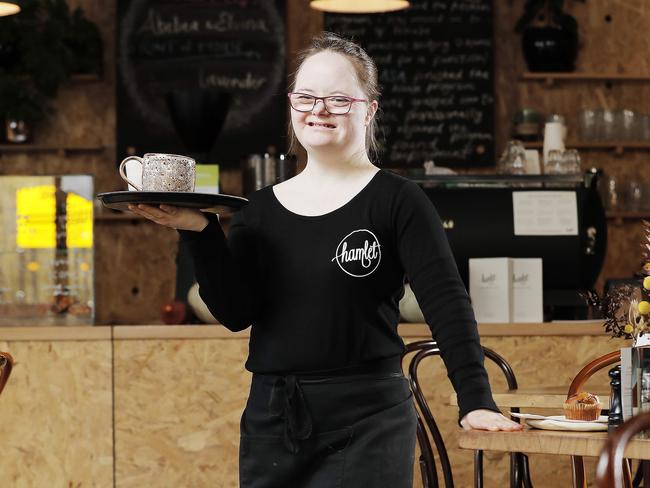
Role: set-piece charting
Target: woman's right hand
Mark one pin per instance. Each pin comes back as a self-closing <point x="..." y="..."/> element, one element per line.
<point x="175" y="217"/>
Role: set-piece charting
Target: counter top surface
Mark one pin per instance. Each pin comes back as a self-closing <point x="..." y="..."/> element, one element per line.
<point x="214" y="331"/>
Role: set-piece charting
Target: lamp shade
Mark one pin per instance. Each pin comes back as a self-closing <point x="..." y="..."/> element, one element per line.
<point x="8" y="8"/>
<point x="359" y="6"/>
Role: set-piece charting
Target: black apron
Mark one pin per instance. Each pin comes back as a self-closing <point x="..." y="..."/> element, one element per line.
<point x="343" y="431"/>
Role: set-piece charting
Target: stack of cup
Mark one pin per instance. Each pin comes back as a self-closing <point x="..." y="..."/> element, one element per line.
<point x="553" y="139"/>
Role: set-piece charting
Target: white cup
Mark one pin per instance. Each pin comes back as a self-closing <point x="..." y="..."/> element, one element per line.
<point x="162" y="172"/>
<point x="133" y="171"/>
<point x="553" y="138"/>
<point x="532" y="165"/>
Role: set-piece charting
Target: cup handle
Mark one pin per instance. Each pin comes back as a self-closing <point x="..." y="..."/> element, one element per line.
<point x="123" y="173"/>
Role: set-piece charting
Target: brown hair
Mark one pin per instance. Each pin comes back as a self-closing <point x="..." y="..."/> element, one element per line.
<point x="365" y="70"/>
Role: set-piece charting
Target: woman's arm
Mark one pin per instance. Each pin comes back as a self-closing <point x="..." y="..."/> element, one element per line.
<point x="431" y="269"/>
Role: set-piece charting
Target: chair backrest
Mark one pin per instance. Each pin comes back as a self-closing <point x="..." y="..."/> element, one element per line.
<point x="611" y="470"/>
<point x="577" y="463"/>
<point x="421" y="350"/>
<point x="6" y="363"/>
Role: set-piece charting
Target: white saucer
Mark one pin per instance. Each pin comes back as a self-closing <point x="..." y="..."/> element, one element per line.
<point x="560" y="422"/>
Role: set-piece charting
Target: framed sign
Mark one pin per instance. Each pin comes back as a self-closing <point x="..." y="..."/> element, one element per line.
<point x="202" y="77"/>
<point x="435" y="62"/>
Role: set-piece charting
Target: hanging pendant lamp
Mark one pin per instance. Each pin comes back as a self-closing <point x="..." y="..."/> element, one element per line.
<point x="358" y="6"/>
<point x="8" y="8"/>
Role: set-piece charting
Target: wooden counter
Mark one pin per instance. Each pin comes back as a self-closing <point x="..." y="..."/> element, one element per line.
<point x="159" y="405"/>
<point x="407" y="330"/>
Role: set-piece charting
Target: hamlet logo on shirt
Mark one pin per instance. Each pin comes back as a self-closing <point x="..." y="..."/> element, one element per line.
<point x="358" y="253"/>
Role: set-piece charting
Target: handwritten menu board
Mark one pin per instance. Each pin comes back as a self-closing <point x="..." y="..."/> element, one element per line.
<point x="230" y="51"/>
<point x="435" y="62"/>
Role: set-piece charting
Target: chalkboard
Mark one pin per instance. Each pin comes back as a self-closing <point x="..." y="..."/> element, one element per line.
<point x="435" y="62"/>
<point x="184" y="64"/>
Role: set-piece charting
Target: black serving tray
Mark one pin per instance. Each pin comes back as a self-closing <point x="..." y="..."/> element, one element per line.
<point x="211" y="202"/>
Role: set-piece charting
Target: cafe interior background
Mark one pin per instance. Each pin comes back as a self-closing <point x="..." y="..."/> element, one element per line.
<point x="106" y="390"/>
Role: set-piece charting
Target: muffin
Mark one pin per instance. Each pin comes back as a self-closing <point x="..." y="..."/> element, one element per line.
<point x="582" y="406"/>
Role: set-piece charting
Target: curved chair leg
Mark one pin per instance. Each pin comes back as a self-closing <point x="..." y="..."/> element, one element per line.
<point x="578" y="470"/>
<point x="478" y="469"/>
<point x="427" y="461"/>
<point x="638" y="476"/>
<point x="525" y="472"/>
<point x="627" y="472"/>
<point x="514" y="470"/>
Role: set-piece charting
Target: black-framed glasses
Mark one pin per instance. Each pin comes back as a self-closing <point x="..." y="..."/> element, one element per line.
<point x="335" y="104"/>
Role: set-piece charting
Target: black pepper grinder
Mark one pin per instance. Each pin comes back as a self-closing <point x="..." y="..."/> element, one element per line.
<point x="615" y="415"/>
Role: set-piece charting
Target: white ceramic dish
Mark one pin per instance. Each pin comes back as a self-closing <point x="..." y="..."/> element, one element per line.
<point x="560" y="422"/>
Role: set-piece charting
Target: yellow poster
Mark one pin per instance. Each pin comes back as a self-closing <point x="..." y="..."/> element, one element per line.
<point x="80" y="222"/>
<point x="35" y="211"/>
<point x="35" y="214"/>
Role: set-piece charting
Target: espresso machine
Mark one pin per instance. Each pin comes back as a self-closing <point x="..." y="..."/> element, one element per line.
<point x="478" y="215"/>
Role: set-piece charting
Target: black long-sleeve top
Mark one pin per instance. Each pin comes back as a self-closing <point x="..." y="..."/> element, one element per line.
<point x="322" y="292"/>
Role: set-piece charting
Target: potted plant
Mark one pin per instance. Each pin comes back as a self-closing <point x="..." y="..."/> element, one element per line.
<point x="549" y="36"/>
<point x="39" y="49"/>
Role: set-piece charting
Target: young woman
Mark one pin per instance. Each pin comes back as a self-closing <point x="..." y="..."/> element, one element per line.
<point x="316" y="265"/>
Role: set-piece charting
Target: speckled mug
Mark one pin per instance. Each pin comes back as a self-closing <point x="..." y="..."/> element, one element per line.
<point x="163" y="172"/>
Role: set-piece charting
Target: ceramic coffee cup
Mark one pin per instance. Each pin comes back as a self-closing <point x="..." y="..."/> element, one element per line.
<point x="163" y="172"/>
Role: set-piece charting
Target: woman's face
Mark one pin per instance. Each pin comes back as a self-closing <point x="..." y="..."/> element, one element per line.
<point x="322" y="75"/>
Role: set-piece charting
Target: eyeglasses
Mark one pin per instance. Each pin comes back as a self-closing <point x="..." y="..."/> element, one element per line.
<point x="335" y="105"/>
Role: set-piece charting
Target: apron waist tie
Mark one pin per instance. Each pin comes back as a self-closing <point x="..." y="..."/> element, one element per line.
<point x="288" y="403"/>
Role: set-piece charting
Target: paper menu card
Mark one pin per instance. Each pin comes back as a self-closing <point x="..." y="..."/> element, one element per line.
<point x="545" y="213"/>
<point x="490" y="289"/>
<point x="527" y="290"/>
<point x="635" y="380"/>
<point x="207" y="178"/>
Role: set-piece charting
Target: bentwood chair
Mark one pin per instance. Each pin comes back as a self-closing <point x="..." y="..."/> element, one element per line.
<point x="6" y="363"/>
<point x="612" y="469"/>
<point x="577" y="463"/>
<point x="519" y="471"/>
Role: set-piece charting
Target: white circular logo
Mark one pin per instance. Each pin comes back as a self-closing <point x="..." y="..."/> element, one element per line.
<point x="358" y="253"/>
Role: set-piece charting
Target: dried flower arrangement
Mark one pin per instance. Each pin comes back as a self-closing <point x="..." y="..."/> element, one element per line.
<point x="626" y="309"/>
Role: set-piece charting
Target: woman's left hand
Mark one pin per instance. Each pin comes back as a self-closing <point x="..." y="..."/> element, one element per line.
<point x="488" y="420"/>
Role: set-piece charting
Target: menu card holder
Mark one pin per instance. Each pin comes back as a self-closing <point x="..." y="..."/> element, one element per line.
<point x="490" y="287"/>
<point x="527" y="290"/>
<point x="635" y="380"/>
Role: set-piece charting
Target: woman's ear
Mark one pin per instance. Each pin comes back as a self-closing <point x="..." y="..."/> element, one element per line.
<point x="372" y="110"/>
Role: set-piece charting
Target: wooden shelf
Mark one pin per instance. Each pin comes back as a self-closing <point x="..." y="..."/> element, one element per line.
<point x="76" y="78"/>
<point x="551" y="78"/>
<point x="40" y="148"/>
<point x="86" y="78"/>
<point x="619" y="147"/>
<point x="116" y="216"/>
<point x="620" y="216"/>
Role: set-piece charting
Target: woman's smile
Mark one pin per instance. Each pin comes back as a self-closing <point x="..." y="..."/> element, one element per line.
<point x="321" y="125"/>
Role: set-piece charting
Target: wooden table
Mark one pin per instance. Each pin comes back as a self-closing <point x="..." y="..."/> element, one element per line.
<point x="548" y="442"/>
<point x="541" y="397"/>
<point x="543" y="441"/>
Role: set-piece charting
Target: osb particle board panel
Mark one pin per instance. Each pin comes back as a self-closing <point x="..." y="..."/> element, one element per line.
<point x="536" y="363"/>
<point x="135" y="266"/>
<point x="177" y="409"/>
<point x="56" y="415"/>
<point x="612" y="40"/>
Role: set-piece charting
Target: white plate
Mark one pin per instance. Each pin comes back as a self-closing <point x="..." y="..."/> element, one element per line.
<point x="582" y="426"/>
<point x="560" y="422"/>
<point x="527" y="416"/>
